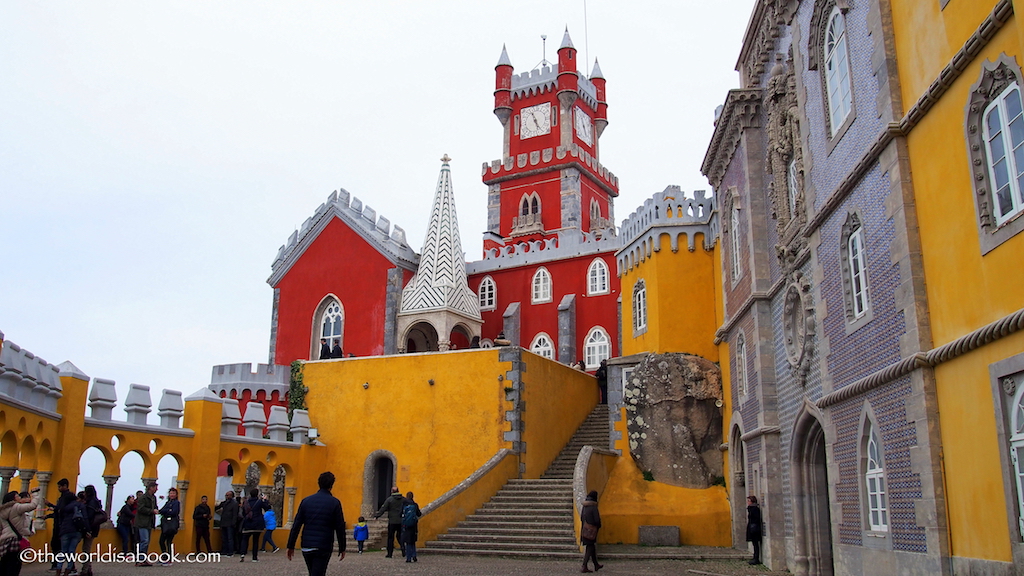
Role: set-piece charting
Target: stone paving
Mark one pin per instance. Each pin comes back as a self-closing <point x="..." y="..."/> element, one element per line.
<point x="374" y="563"/>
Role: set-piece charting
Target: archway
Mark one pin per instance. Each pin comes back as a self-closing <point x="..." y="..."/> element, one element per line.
<point x="459" y="338"/>
<point x="378" y="478"/>
<point x="421" y="337"/>
<point x="738" y="487"/>
<point x="812" y="520"/>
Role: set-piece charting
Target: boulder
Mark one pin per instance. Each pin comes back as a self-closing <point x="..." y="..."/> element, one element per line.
<point x="673" y="419"/>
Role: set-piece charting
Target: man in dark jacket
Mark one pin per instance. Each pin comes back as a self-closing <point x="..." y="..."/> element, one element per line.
<point x="145" y="520"/>
<point x="393" y="506"/>
<point x="66" y="497"/>
<point x="325" y="349"/>
<point x="201" y="520"/>
<point x="228" y="522"/>
<point x="320" y="518"/>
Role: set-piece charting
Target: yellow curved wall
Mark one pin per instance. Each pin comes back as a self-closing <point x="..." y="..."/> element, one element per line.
<point x="681" y="301"/>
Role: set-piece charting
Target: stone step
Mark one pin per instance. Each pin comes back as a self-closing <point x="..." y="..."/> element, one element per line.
<point x="502" y="546"/>
<point x="559" y="529"/>
<point x="522" y="539"/>
<point x="575" y="554"/>
<point x="520" y="518"/>
<point x="535" y="506"/>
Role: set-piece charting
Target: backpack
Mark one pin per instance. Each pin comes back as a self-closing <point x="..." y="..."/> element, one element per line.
<point x="78" y="519"/>
<point x="246" y="511"/>
<point x="409" y="516"/>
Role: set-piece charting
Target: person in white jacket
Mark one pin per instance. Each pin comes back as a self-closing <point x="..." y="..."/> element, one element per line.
<point x="15" y="524"/>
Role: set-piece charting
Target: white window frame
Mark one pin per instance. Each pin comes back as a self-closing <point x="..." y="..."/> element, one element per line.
<point x="543" y="345"/>
<point x="858" y="272"/>
<point x="334" y="315"/>
<point x="838" y="83"/>
<point x="741" y="366"/>
<point x="874" y="483"/>
<point x="541" y="285"/>
<point x="639" y="306"/>
<point x="1017" y="452"/>
<point x="488" y="294"/>
<point x="596" y="347"/>
<point x="734" y="233"/>
<point x="597" y="278"/>
<point x="1005" y="139"/>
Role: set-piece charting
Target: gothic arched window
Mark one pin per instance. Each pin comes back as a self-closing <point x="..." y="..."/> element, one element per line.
<point x="734" y="237"/>
<point x="597" y="277"/>
<point x="329" y="323"/>
<point x="741" y="367"/>
<point x="854" y="264"/>
<point x="541" y="287"/>
<point x="488" y="294"/>
<point x="874" y="482"/>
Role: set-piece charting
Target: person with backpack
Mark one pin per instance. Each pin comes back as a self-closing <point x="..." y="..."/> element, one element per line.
<point x="145" y="521"/>
<point x="253" y="524"/>
<point x="170" y="521"/>
<point x="95" y="516"/>
<point x="410" y="526"/>
<point x="393" y="506"/>
<point x="73" y="526"/>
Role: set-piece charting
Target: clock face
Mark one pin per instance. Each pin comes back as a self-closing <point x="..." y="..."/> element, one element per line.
<point x="536" y="121"/>
<point x="584" y="128"/>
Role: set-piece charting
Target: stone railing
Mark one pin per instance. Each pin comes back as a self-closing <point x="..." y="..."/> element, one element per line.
<point x="567" y="244"/>
<point x="526" y="224"/>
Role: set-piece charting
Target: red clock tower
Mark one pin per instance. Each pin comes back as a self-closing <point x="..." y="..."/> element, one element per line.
<point x="549" y="179"/>
<point x="547" y="281"/>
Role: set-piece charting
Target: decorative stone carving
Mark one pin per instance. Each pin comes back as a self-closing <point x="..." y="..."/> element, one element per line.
<point x="1009" y="386"/>
<point x="785" y="162"/>
<point x="674" y="424"/>
<point x="819" y="20"/>
<point x="798" y="325"/>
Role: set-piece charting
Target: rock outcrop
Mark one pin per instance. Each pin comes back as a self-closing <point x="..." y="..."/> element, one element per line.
<point x="674" y="422"/>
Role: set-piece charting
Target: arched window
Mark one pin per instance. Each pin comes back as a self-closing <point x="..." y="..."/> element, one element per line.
<point x="595" y="209"/>
<point x="543" y="346"/>
<point x="854" y="263"/>
<point x="331" y="323"/>
<point x="526" y="206"/>
<point x="741" y="366"/>
<point x="837" y="71"/>
<point x="734" y="233"/>
<point x="596" y="348"/>
<point x="488" y="294"/>
<point x="541" y="286"/>
<point x="640" y="306"/>
<point x="1004" y="141"/>
<point x="874" y="482"/>
<point x="535" y="205"/>
<point x="597" y="277"/>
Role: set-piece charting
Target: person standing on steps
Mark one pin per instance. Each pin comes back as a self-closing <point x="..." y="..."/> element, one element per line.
<point x="754" y="528"/>
<point x="590" y="524"/>
<point x="320" y="518"/>
<point x="393" y="506"/>
<point x="602" y="380"/>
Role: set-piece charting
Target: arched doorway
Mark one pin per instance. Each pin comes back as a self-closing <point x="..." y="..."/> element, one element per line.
<point x="421" y="337"/>
<point x="459" y="338"/>
<point x="378" y="478"/>
<point x="738" y="493"/>
<point x="812" y="519"/>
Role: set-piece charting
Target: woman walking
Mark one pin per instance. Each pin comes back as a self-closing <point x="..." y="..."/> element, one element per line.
<point x="253" y="524"/>
<point x="14" y="526"/>
<point x="754" y="528"/>
<point x="170" y="520"/>
<point x="125" y="518"/>
<point x="591" y="523"/>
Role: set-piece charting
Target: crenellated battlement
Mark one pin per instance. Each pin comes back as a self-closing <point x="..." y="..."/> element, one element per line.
<point x="269" y="378"/>
<point x="497" y="170"/>
<point x="568" y="244"/>
<point x="669" y="213"/>
<point x="361" y="218"/>
<point x="545" y="79"/>
<point x="28" y="379"/>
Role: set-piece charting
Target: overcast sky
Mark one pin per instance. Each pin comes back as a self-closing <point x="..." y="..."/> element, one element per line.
<point x="155" y="155"/>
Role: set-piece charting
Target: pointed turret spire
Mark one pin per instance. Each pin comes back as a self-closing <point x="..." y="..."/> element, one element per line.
<point x="504" y="60"/>
<point x="566" y="41"/>
<point x="596" y="72"/>
<point x="440" y="282"/>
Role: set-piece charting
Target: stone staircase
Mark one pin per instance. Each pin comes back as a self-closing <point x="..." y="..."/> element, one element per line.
<point x="528" y="518"/>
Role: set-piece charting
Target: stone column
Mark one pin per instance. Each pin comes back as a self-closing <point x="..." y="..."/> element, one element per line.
<point x="266" y="488"/>
<point x="6" y="473"/>
<point x="110" y="481"/>
<point x="182" y="493"/>
<point x="39" y="522"/>
<point x="26" y="475"/>
<point x="146" y="481"/>
<point x="291" y="490"/>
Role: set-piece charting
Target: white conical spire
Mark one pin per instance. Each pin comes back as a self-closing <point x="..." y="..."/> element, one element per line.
<point x="566" y="41"/>
<point x="440" y="282"/>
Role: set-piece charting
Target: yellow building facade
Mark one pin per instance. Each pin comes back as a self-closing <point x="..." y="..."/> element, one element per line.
<point x="960" y="83"/>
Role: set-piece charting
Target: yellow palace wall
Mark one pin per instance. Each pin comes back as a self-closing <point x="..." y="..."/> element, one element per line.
<point x="966" y="290"/>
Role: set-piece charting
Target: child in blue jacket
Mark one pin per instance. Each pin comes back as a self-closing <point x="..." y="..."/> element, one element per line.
<point x="361" y="532"/>
<point x="271" y="521"/>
